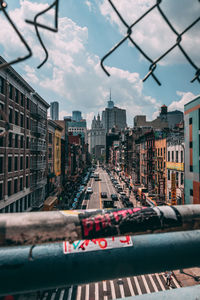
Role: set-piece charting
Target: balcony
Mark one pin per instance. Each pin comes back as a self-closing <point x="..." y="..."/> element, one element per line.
<point x="38" y="165"/>
<point x="37" y="129"/>
<point x="37" y="112"/>
<point x="38" y="147"/>
<point x="37" y="183"/>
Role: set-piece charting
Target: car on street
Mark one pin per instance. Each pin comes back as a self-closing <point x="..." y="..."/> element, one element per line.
<point x="103" y="195"/>
<point x="119" y="189"/>
<point x="114" y="197"/>
<point x="108" y="204"/>
<point x="89" y="190"/>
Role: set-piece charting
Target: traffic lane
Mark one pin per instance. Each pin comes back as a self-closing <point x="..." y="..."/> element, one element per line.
<point x="94" y="200"/>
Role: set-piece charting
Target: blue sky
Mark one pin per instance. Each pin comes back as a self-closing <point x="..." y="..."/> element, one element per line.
<point x="87" y="31"/>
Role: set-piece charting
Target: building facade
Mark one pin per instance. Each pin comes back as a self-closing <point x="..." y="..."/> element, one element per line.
<point x="192" y="151"/>
<point x="96" y="137"/>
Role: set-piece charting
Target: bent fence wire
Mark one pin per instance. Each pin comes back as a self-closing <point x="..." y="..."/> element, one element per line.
<point x="153" y="64"/>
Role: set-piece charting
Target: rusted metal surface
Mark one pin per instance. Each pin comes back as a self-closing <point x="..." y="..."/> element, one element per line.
<point x="46" y="227"/>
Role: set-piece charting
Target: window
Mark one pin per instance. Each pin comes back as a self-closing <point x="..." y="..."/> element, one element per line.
<point x="9" y="163"/>
<point x="21" y="120"/>
<point x="182" y="178"/>
<point x="21" y="141"/>
<point x="27" y="103"/>
<point x="1" y="191"/>
<point x="2" y="108"/>
<point x="168" y="174"/>
<point x="172" y="155"/>
<point x="1" y="164"/>
<point x="16" y="163"/>
<point x="26" y="181"/>
<point x="27" y="162"/>
<point x="21" y="162"/>
<point x="10" y="91"/>
<point x="21" y="183"/>
<point x="1" y="140"/>
<point x="164" y="151"/>
<point x="10" y="115"/>
<point x="177" y="178"/>
<point x="191" y="168"/>
<point x="22" y="100"/>
<point x="176" y="156"/>
<point x="9" y="188"/>
<point x="16" y="96"/>
<point x="158" y="151"/>
<point x="191" y="192"/>
<point x="16" y="117"/>
<point x="27" y="142"/>
<point x="190" y="121"/>
<point x="168" y="155"/>
<point x="10" y="139"/>
<point x="15" y="185"/>
<point x="161" y="151"/>
<point x="27" y="123"/>
<point x="16" y="140"/>
<point x="1" y="85"/>
<point x="181" y="155"/>
<point x="190" y="144"/>
<point x="50" y="138"/>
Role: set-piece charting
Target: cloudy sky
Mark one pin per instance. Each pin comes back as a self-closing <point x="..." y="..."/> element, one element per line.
<point x="88" y="29"/>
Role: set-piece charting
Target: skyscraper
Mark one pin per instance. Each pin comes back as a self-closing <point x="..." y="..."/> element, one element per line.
<point x="113" y="117"/>
<point x="54" y="110"/>
<point x="76" y="115"/>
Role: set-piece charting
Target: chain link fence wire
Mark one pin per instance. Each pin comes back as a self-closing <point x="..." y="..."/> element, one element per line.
<point x="154" y="63"/>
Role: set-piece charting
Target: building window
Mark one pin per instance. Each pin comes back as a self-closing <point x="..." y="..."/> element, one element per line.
<point x="10" y="115"/>
<point x="1" y="140"/>
<point x="16" y="96"/>
<point x="21" y="141"/>
<point x="176" y="156"/>
<point x="21" y="184"/>
<point x="10" y="91"/>
<point x="190" y="144"/>
<point x="21" y="120"/>
<point x="16" y="163"/>
<point x="16" y="140"/>
<point x="27" y="162"/>
<point x="27" y="123"/>
<point x="27" y="142"/>
<point x="27" y="103"/>
<point x="191" y="192"/>
<point x="190" y="121"/>
<point x="176" y="178"/>
<point x="168" y="174"/>
<point x="22" y="99"/>
<point x="9" y="163"/>
<point x="2" y="108"/>
<point x="50" y="138"/>
<point x="9" y="188"/>
<point x="161" y="151"/>
<point x="158" y="151"/>
<point x="1" y="85"/>
<point x="16" y="117"/>
<point x="1" y="190"/>
<point x="168" y="155"/>
<point x="172" y="155"/>
<point x="26" y="181"/>
<point x="181" y="155"/>
<point x="10" y="140"/>
<point x="191" y="168"/>
<point x="15" y="185"/>
<point x="182" y="178"/>
<point x="1" y="164"/>
<point x="21" y="162"/>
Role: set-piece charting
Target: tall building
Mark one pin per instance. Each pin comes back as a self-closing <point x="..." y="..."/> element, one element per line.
<point x="192" y="151"/>
<point x="76" y="115"/>
<point x="97" y="137"/>
<point x="54" y="110"/>
<point x="113" y="117"/>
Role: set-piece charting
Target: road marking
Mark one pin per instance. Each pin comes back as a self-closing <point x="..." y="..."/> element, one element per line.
<point x="153" y="283"/>
<point x="137" y="285"/>
<point x="62" y="295"/>
<point x="160" y="282"/>
<point x="70" y="293"/>
<point x="130" y="286"/>
<point x="53" y="296"/>
<point x="78" y="295"/>
<point x="175" y="282"/>
<point x="105" y="289"/>
<point x="145" y="284"/>
<point x="112" y="289"/>
<point x="121" y="288"/>
<point x="87" y="292"/>
<point x="100" y="196"/>
<point x="96" y="291"/>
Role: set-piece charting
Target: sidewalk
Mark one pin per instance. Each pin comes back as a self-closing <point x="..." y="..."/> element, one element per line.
<point x="189" y="276"/>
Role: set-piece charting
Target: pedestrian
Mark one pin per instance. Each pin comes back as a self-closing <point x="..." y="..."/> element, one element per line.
<point x="168" y="277"/>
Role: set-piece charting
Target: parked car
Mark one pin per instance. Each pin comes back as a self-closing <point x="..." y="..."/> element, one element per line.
<point x="89" y="190"/>
<point x="114" y="197"/>
<point x="119" y="189"/>
<point x="103" y="195"/>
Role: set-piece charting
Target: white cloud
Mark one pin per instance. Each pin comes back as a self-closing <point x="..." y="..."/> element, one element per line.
<point x="152" y="33"/>
<point x="64" y="113"/>
<point x="185" y="98"/>
<point x="89" y="5"/>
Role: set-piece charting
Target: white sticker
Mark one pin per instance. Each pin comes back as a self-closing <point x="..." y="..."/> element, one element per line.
<point x="97" y="244"/>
